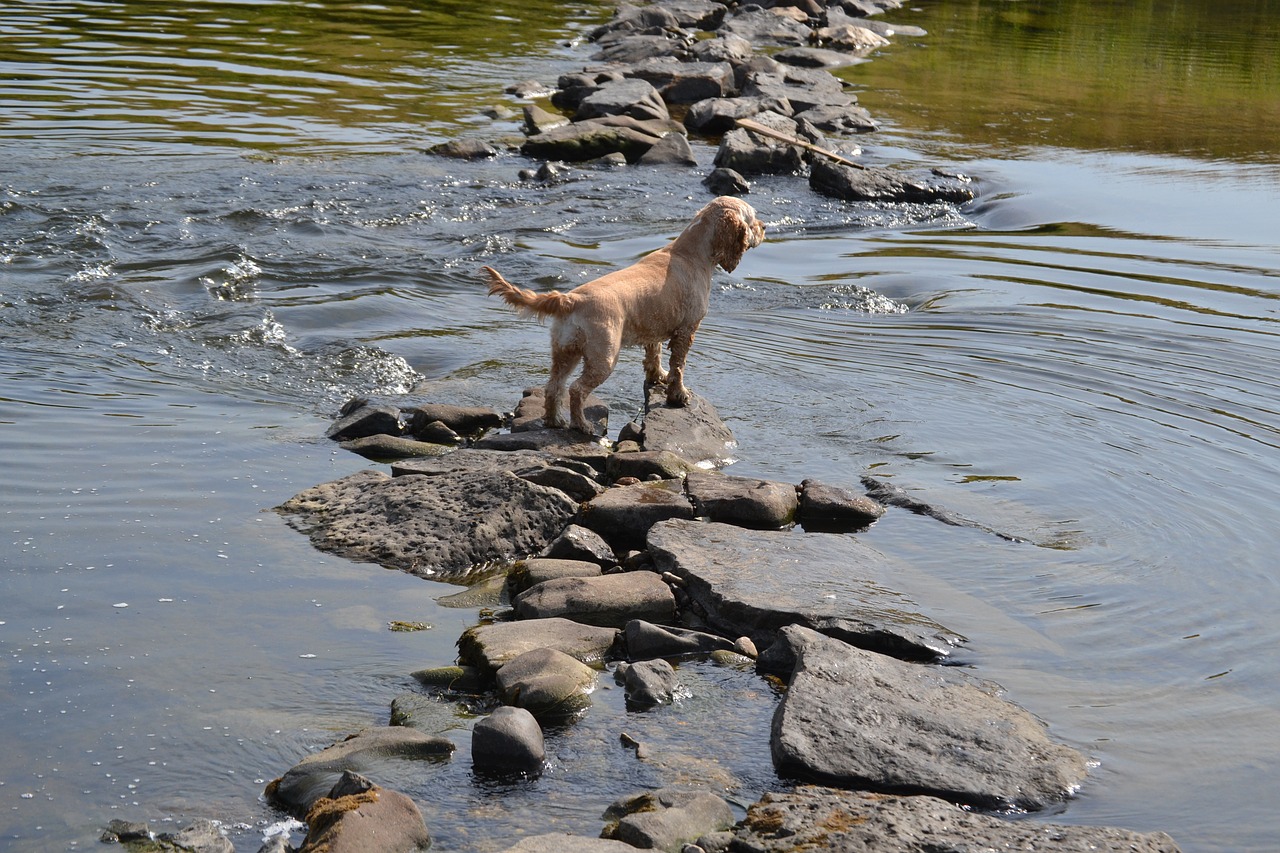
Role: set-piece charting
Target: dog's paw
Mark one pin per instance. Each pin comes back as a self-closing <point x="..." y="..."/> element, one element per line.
<point x="678" y="396"/>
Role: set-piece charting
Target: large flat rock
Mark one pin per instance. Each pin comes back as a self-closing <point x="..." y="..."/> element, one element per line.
<point x="755" y="582"/>
<point x="857" y="719"/>
<point x="814" y="818"/>
<point x="694" y="432"/>
<point x="443" y="527"/>
<point x="489" y="647"/>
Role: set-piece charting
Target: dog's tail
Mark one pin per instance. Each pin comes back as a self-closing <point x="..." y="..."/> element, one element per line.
<point x="553" y="304"/>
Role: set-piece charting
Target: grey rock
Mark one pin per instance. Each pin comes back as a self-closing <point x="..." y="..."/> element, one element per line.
<point x="723" y="181"/>
<point x="685" y="82"/>
<point x="744" y="501"/>
<point x="452" y="679"/>
<point x="576" y="485"/>
<point x="437" y="432"/>
<point x="725" y="47"/>
<point x="488" y="647"/>
<point x="693" y="432"/>
<point x="802" y="88"/>
<point x="607" y="600"/>
<point x="278" y="843"/>
<point x="637" y="47"/>
<point x="509" y="740"/>
<point x="671" y="150"/>
<point x="313" y="777"/>
<point x="855" y="39"/>
<point x="125" y="830"/>
<point x="862" y="720"/>
<point x="594" y="138"/>
<point x="535" y="570"/>
<point x="631" y="97"/>
<point x="757" y="154"/>
<point x="834" y="509"/>
<point x="528" y="89"/>
<point x="464" y="420"/>
<point x="705" y="15"/>
<point x="201" y="836"/>
<point x="814" y="817"/>
<point x="559" y="843"/>
<point x="875" y="184"/>
<point x="441" y="527"/>
<point x="532" y="407"/>
<point x="537" y="120"/>
<point x="668" y="818"/>
<point x="386" y="447"/>
<point x="427" y="714"/>
<point x="358" y="815"/>
<point x="366" y="420"/>
<point x="624" y="514"/>
<point x="761" y="27"/>
<point x="717" y="116"/>
<point x="648" y="683"/>
<point x="579" y="543"/>
<point x="471" y="461"/>
<point x="715" y="842"/>
<point x="645" y="641"/>
<point x="756" y="582"/>
<point x="816" y="57"/>
<point x="547" y="683"/>
<point x="843" y="120"/>
<point x="889" y="30"/>
<point x="628" y="18"/>
<point x="645" y="463"/>
<point x="566" y="444"/>
<point x="464" y="149"/>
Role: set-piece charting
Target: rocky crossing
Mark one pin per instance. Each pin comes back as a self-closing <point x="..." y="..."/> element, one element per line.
<point x="616" y="559"/>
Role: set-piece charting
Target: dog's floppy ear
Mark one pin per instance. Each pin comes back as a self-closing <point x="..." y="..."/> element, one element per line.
<point x="732" y="238"/>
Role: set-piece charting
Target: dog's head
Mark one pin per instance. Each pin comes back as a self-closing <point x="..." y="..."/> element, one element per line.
<point x="735" y="229"/>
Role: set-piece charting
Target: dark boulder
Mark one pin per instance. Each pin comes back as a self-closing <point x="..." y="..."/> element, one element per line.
<point x="365" y="419"/>
<point x="631" y="97"/>
<point x="509" y="740"/>
<point x="875" y="184"/>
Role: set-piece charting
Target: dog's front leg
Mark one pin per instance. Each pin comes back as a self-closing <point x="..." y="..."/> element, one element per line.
<point x="681" y="342"/>
<point x="653" y="372"/>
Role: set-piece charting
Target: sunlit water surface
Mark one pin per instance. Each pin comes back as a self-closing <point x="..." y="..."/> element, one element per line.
<point x="217" y="225"/>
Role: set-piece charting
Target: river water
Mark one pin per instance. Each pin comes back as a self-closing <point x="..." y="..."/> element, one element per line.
<point x="216" y="224"/>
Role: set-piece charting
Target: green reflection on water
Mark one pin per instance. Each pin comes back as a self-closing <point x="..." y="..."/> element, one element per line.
<point x="1198" y="78"/>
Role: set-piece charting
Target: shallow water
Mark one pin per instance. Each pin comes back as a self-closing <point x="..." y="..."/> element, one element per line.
<point x="202" y="254"/>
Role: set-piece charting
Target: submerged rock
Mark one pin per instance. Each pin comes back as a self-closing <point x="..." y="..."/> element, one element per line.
<point x="815" y="818"/>
<point x="862" y="720"/>
<point x="756" y="582"/>
<point x="559" y="843"/>
<point x="667" y="818"/>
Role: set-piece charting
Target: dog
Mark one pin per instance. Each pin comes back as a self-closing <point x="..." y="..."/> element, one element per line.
<point x="660" y="298"/>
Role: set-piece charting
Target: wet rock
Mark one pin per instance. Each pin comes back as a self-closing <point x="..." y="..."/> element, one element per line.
<point x="441" y="527"/>
<point x="744" y="501"/>
<point x="667" y="818"/>
<point x="566" y="444"/>
<point x="594" y="138"/>
<point x="725" y="47"/>
<point x="694" y="432"/>
<point x="533" y="405"/>
<point x="812" y="817"/>
<point x="648" y="683"/>
<point x="427" y="714"/>
<point x="464" y="420"/>
<point x="572" y="88"/>
<point x="645" y="641"/>
<point x="313" y="777"/>
<point x="366" y="420"/>
<point x="717" y="116"/>
<point x="488" y="647"/>
<point x="386" y="447"/>
<point x="756" y="582"/>
<point x="608" y="600"/>
<point x="756" y="154"/>
<point x="892" y="495"/>
<point x="628" y="19"/>
<point x="509" y="740"/>
<point x="726" y="182"/>
<point x="850" y="38"/>
<point x="802" y="88"/>
<point x="576" y="485"/>
<point x="358" y="816"/>
<point x="201" y="836"/>
<point x="624" y="514"/>
<point x="843" y="121"/>
<point x="118" y="831"/>
<point x="558" y="843"/>
<point x="537" y="120"/>
<point x="629" y="49"/>
<point x="875" y="184"/>
<point x="816" y="57"/>
<point x="685" y="82"/>
<point x="833" y="509"/>
<point x="889" y="30"/>
<point x="763" y="27"/>
<point x="437" y="432"/>
<point x="471" y="461"/>
<point x="631" y="97"/>
<point x="579" y="543"/>
<point x="535" y="570"/>
<point x="464" y="149"/>
<point x="454" y="679"/>
<point x="705" y="15"/>
<point x="528" y="89"/>
<point x="547" y="683"/>
<point x="671" y="150"/>
<point x="917" y="728"/>
<point x="645" y="464"/>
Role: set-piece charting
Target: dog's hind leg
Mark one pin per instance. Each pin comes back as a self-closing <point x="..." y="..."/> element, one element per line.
<point x="597" y="363"/>
<point x="653" y="372"/>
<point x="563" y="361"/>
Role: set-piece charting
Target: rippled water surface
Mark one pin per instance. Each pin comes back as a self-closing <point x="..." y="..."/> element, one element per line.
<point x="216" y="224"/>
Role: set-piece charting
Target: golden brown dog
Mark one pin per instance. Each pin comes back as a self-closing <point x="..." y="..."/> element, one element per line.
<point x="662" y="297"/>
